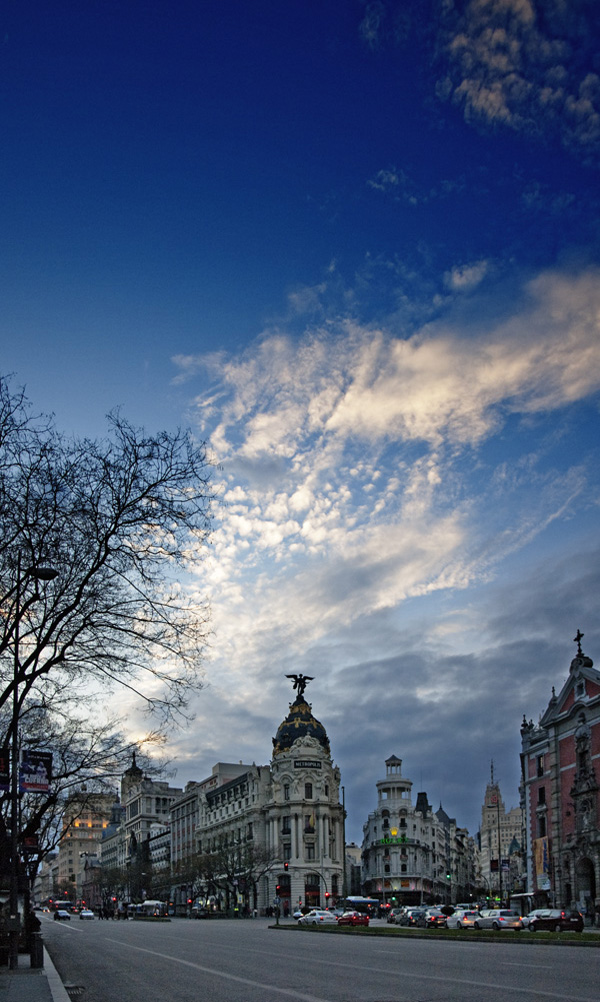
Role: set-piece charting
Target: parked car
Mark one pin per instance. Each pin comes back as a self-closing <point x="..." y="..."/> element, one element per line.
<point x="498" y="918"/>
<point x="463" y="919"/>
<point x="86" y="913"/>
<point x="434" y="918"/>
<point x="393" y="915"/>
<point x="298" y="914"/>
<point x="555" y="919"/>
<point x="353" y="918"/>
<point x="317" y="916"/>
<point x="60" y="915"/>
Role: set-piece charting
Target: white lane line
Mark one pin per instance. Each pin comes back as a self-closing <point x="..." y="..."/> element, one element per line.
<point x="445" y="979"/>
<point x="229" y="977"/>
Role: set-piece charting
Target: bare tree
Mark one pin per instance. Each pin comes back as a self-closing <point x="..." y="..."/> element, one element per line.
<point x="119" y="520"/>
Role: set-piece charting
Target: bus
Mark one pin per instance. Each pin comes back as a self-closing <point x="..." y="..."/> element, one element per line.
<point x="368" y="906"/>
<point x="154" y="909"/>
<point x="526" y="903"/>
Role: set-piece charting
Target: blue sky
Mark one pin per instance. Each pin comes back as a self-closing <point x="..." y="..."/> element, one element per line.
<point x="355" y="247"/>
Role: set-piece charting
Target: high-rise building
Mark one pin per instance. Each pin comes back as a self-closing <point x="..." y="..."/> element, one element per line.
<point x="500" y="836"/>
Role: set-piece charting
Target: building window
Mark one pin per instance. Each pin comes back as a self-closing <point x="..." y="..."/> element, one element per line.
<point x="542" y="795"/>
<point x="308" y="791"/>
<point x="403" y="868"/>
<point x="287" y="852"/>
<point x="540" y="765"/>
<point x="286" y="791"/>
<point x="286" y="825"/>
<point x="541" y="823"/>
<point x="310" y="852"/>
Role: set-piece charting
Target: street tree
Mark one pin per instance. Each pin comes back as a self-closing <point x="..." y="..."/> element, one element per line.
<point x="119" y="520"/>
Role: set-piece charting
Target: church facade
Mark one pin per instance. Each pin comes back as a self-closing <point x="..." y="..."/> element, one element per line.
<point x="560" y="769"/>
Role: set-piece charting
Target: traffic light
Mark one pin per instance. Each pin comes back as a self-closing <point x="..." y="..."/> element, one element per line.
<point x="286" y="866"/>
<point x="327" y="895"/>
<point x="448" y="876"/>
<point x="278" y="888"/>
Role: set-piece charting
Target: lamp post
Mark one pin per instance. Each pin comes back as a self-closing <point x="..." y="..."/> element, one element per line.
<point x="38" y="574"/>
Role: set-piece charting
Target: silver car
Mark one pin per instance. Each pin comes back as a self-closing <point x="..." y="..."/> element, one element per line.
<point x="463" y="919"/>
<point x="498" y="918"/>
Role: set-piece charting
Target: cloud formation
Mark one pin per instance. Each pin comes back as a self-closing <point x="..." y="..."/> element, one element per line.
<point x="349" y="456"/>
<point x="374" y="489"/>
<point x="528" y="65"/>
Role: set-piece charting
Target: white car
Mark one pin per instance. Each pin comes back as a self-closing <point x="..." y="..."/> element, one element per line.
<point x="318" y="917"/>
<point x="462" y="919"/>
<point x="86" y="913"/>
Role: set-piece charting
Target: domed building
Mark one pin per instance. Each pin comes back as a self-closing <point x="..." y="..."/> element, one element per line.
<point x="283" y="822"/>
<point x="303" y="816"/>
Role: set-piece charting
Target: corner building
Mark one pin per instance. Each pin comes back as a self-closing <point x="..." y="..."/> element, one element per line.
<point x="303" y="816"/>
<point x="291" y="814"/>
<point x="412" y="855"/>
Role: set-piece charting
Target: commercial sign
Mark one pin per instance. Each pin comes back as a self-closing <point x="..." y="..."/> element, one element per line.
<point x="542" y="863"/>
<point x="36" y="771"/>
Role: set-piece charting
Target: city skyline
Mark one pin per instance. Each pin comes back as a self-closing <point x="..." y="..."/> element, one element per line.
<point x="355" y="250"/>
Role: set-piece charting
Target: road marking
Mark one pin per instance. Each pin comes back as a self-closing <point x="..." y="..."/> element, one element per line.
<point x="361" y="967"/>
<point x="229" y="977"/>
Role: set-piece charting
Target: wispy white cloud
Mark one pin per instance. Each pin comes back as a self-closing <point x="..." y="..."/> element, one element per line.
<point x="350" y="462"/>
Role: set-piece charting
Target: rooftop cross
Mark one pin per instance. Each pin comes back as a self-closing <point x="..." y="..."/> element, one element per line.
<point x="577" y="640"/>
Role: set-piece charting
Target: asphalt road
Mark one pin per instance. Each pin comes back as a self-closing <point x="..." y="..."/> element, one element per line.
<point x="246" y="961"/>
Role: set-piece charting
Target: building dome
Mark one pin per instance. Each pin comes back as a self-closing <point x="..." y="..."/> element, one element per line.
<point x="299" y="723"/>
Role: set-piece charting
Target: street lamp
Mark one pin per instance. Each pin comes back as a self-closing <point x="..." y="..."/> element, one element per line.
<point x="38" y="574"/>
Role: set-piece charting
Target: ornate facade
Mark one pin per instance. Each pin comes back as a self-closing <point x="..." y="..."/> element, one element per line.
<point x="560" y="762"/>
<point x="283" y="822"/>
<point x="411" y="855"/>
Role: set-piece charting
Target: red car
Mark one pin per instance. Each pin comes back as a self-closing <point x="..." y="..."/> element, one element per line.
<point x="353" y="918"/>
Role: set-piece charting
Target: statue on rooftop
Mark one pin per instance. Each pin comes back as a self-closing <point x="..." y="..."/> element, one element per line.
<point x="300" y="682"/>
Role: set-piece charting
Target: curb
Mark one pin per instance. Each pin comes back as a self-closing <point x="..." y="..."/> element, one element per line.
<point x="59" y="993"/>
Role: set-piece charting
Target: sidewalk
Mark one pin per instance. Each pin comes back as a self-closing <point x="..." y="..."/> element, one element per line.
<point x="31" y="984"/>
